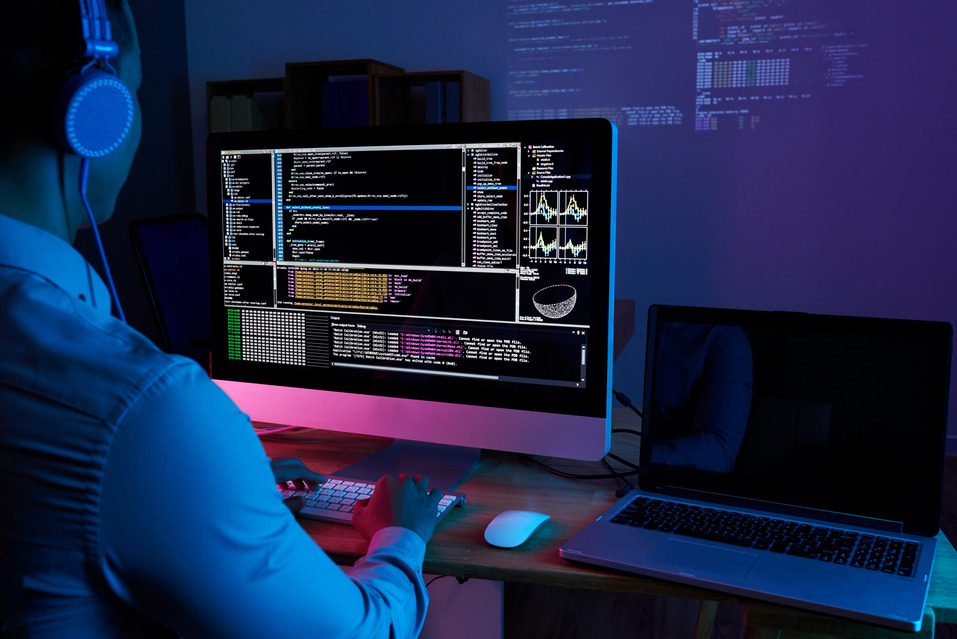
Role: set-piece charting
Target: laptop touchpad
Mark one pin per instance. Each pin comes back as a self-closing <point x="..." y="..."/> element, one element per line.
<point x="697" y="559"/>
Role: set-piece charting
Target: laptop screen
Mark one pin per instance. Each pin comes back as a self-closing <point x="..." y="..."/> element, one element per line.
<point x="841" y="414"/>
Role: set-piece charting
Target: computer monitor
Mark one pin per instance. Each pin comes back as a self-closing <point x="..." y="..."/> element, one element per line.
<point x="450" y="285"/>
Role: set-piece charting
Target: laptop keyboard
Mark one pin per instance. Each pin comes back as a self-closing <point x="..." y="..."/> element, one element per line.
<point x="871" y="552"/>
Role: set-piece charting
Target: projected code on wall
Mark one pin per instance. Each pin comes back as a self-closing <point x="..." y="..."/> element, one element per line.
<point x="745" y="64"/>
<point x="754" y="56"/>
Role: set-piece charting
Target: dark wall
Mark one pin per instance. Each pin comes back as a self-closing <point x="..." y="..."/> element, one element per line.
<point x="161" y="180"/>
<point x="830" y="192"/>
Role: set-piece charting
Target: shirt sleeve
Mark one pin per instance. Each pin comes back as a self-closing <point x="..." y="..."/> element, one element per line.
<point x="717" y="365"/>
<point x="193" y="532"/>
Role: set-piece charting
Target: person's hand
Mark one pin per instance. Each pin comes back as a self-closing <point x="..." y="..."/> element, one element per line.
<point x="399" y="501"/>
<point x="290" y="469"/>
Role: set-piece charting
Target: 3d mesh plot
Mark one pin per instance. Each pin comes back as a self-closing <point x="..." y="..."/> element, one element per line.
<point x="555" y="301"/>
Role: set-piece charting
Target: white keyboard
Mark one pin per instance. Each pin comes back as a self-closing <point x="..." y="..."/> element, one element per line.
<point x="335" y="499"/>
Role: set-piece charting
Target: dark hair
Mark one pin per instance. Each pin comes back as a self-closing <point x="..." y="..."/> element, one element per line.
<point x="40" y="41"/>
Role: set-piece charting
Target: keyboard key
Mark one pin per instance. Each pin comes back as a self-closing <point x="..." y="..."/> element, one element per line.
<point x="335" y="500"/>
<point x="821" y="543"/>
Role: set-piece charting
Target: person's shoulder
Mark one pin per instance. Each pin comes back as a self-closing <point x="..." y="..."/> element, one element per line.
<point x="726" y="334"/>
<point x="80" y="356"/>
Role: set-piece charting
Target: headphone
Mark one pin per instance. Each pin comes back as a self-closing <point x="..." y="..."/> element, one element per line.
<point x="94" y="109"/>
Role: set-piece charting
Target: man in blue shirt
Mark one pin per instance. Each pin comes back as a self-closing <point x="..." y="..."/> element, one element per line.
<point x="136" y="499"/>
<point x="705" y="377"/>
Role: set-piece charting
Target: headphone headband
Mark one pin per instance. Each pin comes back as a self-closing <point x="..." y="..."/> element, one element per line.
<point x="97" y="36"/>
<point x="94" y="110"/>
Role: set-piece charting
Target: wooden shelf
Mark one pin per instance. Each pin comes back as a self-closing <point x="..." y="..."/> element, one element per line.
<point x="333" y="93"/>
<point x="245" y="105"/>
<point x="431" y="97"/>
<point x="340" y="93"/>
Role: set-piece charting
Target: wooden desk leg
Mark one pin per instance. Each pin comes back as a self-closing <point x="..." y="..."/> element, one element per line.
<point x="705" y="623"/>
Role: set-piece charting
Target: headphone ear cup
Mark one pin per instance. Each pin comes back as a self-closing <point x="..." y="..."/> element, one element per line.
<point x="93" y="113"/>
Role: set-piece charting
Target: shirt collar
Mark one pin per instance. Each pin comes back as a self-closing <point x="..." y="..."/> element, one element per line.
<point x="29" y="248"/>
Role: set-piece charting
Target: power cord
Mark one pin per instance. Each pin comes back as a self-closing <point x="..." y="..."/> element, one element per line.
<point x="614" y="474"/>
<point x="626" y="486"/>
<point x="461" y="580"/>
<point x="275" y="430"/>
<point x="625" y="401"/>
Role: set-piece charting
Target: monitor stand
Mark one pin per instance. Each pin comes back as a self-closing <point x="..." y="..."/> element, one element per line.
<point x="444" y="465"/>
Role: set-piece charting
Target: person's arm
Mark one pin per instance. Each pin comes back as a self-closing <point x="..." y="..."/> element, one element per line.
<point x="723" y="405"/>
<point x="194" y="533"/>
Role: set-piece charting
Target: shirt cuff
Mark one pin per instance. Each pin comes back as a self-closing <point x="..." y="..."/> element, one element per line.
<point x="401" y="539"/>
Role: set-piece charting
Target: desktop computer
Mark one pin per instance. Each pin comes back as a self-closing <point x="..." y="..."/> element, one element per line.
<point x="449" y="286"/>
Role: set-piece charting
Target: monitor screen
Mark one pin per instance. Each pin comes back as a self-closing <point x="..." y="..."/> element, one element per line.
<point x="798" y="410"/>
<point x="450" y="284"/>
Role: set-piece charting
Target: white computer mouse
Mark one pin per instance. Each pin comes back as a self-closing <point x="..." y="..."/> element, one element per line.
<point x="512" y="527"/>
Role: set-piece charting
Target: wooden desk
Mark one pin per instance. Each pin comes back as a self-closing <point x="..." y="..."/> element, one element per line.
<point x="503" y="481"/>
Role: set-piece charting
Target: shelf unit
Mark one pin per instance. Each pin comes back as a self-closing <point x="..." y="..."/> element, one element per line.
<point x="333" y="93"/>
<point x="340" y="93"/>
<point x="431" y="97"/>
<point x="245" y="105"/>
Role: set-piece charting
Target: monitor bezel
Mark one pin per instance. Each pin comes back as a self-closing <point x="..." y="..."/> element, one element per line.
<point x="578" y="429"/>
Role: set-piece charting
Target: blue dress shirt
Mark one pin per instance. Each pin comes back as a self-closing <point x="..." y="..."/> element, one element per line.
<point x="134" y="495"/>
<point x="704" y="380"/>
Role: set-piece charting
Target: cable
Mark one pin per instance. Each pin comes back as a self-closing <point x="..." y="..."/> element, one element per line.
<point x="623" y="461"/>
<point x="625" y="401"/>
<point x="461" y="580"/>
<point x="626" y="485"/>
<point x="613" y="475"/>
<point x="84" y="176"/>
<point x="275" y="430"/>
<point x="630" y="431"/>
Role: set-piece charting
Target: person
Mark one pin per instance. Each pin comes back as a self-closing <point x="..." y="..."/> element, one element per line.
<point x="703" y="389"/>
<point x="136" y="498"/>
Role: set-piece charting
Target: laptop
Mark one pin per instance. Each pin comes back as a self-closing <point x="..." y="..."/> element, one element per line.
<point x="787" y="457"/>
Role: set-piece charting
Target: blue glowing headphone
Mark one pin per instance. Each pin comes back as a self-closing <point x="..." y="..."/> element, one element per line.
<point x="94" y="110"/>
